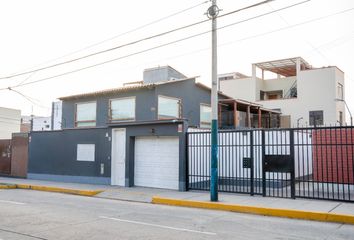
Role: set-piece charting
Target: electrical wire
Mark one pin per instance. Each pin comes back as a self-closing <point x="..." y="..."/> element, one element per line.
<point x="135" y="42"/>
<point x="156" y="47"/>
<point x="32" y="100"/>
<point x="306" y="41"/>
<point x="255" y="36"/>
<point x="122" y="34"/>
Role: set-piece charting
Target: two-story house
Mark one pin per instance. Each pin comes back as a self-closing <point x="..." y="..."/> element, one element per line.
<point x="134" y="135"/>
<point x="128" y="136"/>
<point x="306" y="96"/>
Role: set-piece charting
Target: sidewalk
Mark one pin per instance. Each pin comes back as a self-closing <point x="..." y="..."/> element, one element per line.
<point x="200" y="199"/>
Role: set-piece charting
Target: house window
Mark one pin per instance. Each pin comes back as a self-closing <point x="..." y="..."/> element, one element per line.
<point x="169" y="107"/>
<point x="85" y="152"/>
<point x="122" y="109"/>
<point x="205" y="116"/>
<point x="340" y="94"/>
<point x="85" y="114"/>
<point x="316" y="118"/>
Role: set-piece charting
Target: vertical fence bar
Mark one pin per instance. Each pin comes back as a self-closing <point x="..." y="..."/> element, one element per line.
<point x="187" y="160"/>
<point x="264" y="185"/>
<point x="292" y="157"/>
<point x="251" y="164"/>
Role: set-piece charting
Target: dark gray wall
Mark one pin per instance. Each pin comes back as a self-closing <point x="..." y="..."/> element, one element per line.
<point x="146" y="103"/>
<point x="54" y="152"/>
<point x="191" y="96"/>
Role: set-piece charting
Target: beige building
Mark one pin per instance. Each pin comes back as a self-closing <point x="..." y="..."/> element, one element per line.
<point x="10" y="122"/>
<point x="306" y="96"/>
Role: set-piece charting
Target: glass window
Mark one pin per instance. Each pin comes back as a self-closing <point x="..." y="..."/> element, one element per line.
<point x="169" y="107"/>
<point x="86" y="114"/>
<point x="123" y="109"/>
<point x="316" y="118"/>
<point x="205" y="116"/>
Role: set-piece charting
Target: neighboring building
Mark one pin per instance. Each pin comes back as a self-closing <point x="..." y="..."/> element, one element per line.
<point x="303" y="94"/>
<point x="10" y="122"/>
<point x="25" y="124"/>
<point x="37" y="123"/>
<point x="128" y="136"/>
<point x="41" y="123"/>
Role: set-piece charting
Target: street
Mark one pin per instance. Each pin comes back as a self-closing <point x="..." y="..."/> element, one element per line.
<point x="26" y="214"/>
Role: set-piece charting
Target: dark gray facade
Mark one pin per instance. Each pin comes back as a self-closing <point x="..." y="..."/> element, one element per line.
<point x="190" y="94"/>
<point x="53" y="154"/>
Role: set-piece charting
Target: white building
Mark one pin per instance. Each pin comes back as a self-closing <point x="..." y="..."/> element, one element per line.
<point x="41" y="123"/>
<point x="10" y="122"/>
<point x="304" y="95"/>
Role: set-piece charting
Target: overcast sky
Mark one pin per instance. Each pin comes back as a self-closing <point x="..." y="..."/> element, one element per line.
<point x="35" y="32"/>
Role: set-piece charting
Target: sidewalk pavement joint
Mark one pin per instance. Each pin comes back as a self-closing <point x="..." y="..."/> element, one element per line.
<point x="265" y="211"/>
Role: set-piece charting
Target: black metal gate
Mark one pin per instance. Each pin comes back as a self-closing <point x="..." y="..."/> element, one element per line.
<point x="302" y="162"/>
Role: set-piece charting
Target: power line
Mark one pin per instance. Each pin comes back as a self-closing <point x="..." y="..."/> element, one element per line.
<point x="32" y="100"/>
<point x="306" y="41"/>
<point x="288" y="27"/>
<point x="156" y="47"/>
<point x="26" y="79"/>
<point x="134" y="42"/>
<point x="255" y="36"/>
<point x="122" y="34"/>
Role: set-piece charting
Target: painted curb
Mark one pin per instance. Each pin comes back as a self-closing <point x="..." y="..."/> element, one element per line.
<point x="88" y="193"/>
<point x="7" y="186"/>
<point x="275" y="212"/>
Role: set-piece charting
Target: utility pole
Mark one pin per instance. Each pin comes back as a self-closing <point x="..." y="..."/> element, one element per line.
<point x="212" y="13"/>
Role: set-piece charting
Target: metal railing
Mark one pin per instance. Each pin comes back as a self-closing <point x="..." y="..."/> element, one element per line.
<point x="299" y="162"/>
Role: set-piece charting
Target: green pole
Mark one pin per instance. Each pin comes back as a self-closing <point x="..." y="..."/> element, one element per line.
<point x="212" y="13"/>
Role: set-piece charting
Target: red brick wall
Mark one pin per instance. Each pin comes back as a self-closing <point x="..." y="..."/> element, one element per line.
<point x="332" y="151"/>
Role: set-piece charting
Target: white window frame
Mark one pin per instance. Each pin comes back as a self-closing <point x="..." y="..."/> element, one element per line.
<point x="202" y="124"/>
<point x="86" y="121"/>
<point x="121" y="119"/>
<point x="85" y="152"/>
<point x="169" y="117"/>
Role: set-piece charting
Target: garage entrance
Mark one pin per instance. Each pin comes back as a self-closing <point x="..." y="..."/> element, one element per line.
<point x="156" y="162"/>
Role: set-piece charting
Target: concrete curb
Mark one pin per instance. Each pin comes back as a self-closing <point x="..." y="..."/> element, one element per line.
<point x="7" y="186"/>
<point x="88" y="193"/>
<point x="275" y="212"/>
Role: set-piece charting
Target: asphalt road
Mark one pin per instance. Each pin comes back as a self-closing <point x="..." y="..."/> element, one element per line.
<point x="27" y="214"/>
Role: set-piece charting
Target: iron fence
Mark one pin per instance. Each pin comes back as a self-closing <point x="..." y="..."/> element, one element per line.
<point x="298" y="162"/>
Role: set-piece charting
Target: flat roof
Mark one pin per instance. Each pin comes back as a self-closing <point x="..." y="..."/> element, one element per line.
<point x="285" y="67"/>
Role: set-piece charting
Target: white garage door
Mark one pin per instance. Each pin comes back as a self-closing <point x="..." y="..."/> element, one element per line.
<point x="156" y="162"/>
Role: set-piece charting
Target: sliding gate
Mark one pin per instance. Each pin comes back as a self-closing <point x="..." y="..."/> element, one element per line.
<point x="303" y="162"/>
